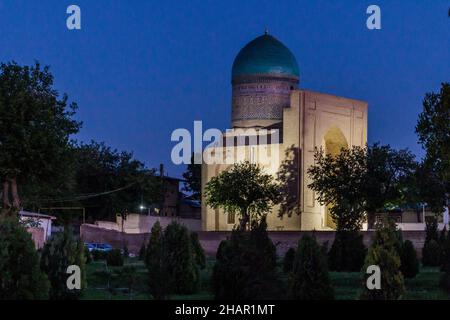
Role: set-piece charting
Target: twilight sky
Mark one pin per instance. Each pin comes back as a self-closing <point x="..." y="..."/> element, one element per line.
<point x="140" y="69"/>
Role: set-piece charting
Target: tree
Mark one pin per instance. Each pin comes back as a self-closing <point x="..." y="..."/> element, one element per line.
<point x="388" y="181"/>
<point x="360" y="180"/>
<point x="347" y="253"/>
<point x="60" y="252"/>
<point x="154" y="260"/>
<point x="20" y="275"/>
<point x="339" y="184"/>
<point x="180" y="260"/>
<point x="197" y="249"/>
<point x="245" y="267"/>
<point x="121" y="180"/>
<point x="35" y="127"/>
<point x="433" y="130"/>
<point x="383" y="253"/>
<point x="193" y="177"/>
<point x="114" y="258"/>
<point x="431" y="251"/>
<point x="244" y="189"/>
<point x="429" y="186"/>
<point x="445" y="266"/>
<point x="409" y="261"/>
<point x="288" y="261"/>
<point x="309" y="279"/>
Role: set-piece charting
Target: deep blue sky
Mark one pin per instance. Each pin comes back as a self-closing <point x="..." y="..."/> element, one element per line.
<point x="140" y="69"/>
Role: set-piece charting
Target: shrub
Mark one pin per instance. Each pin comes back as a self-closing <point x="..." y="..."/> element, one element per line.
<point x="180" y="260"/>
<point x="87" y="255"/>
<point x="98" y="255"/>
<point x="114" y="258"/>
<point x="409" y="262"/>
<point x="154" y="260"/>
<point x="245" y="266"/>
<point x="445" y="254"/>
<point x="431" y="253"/>
<point x="384" y="253"/>
<point x="20" y="275"/>
<point x="125" y="252"/>
<point x="309" y="279"/>
<point x="60" y="252"/>
<point x="142" y="251"/>
<point x="347" y="252"/>
<point x="445" y="279"/>
<point x="431" y="229"/>
<point x="199" y="254"/>
<point x="288" y="261"/>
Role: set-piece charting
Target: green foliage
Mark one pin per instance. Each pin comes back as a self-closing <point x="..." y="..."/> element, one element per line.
<point x="409" y="262"/>
<point x="60" y="252"/>
<point x="244" y="189"/>
<point x="347" y="252"/>
<point x="100" y="168"/>
<point x="114" y="258"/>
<point x="197" y="249"/>
<point x="431" y="253"/>
<point x="154" y="260"/>
<point x="389" y="177"/>
<point x="245" y="266"/>
<point x="339" y="183"/>
<point x="445" y="265"/>
<point x="20" y="275"/>
<point x="87" y="255"/>
<point x="35" y="126"/>
<point x="430" y="187"/>
<point x="432" y="229"/>
<point x="360" y="180"/>
<point x="309" y="279"/>
<point x="433" y="130"/>
<point x="129" y="276"/>
<point x="193" y="178"/>
<point x="180" y="259"/>
<point x="288" y="261"/>
<point x="98" y="255"/>
<point x="173" y="258"/>
<point x="384" y="253"/>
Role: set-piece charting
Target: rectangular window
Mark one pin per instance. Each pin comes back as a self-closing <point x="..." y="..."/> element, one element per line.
<point x="231" y="218"/>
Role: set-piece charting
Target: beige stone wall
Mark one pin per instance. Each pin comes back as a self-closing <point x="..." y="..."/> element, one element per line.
<point x="322" y="113"/>
<point x="139" y="223"/>
<point x="313" y="120"/>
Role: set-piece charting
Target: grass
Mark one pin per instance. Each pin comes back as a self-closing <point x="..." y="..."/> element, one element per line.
<point x="106" y="283"/>
<point x="347" y="285"/>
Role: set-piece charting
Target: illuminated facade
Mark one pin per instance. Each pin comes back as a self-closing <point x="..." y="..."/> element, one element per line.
<point x="266" y="99"/>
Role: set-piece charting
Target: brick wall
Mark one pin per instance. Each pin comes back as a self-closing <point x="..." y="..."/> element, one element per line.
<point x="210" y="241"/>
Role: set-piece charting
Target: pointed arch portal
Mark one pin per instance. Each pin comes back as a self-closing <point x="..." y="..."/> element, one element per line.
<point x="334" y="141"/>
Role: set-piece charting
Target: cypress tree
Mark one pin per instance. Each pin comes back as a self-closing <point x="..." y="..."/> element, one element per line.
<point x="384" y="253"/>
<point x="20" y="275"/>
<point x="409" y="261"/>
<point x="288" y="261"/>
<point x="154" y="260"/>
<point x="309" y="279"/>
<point x="60" y="252"/>
<point x="179" y="259"/>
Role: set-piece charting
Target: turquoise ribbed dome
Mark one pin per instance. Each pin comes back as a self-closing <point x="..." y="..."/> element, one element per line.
<point x="265" y="55"/>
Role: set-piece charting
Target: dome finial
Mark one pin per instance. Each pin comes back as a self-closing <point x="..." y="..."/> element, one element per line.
<point x="266" y="31"/>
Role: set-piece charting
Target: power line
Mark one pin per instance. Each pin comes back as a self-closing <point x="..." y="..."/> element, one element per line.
<point x="89" y="196"/>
